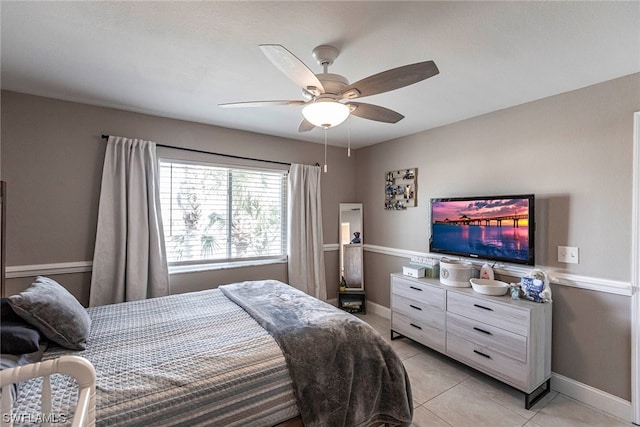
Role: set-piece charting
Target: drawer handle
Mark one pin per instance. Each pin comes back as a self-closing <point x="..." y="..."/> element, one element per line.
<point x="482" y="354"/>
<point x="415" y="289"/>
<point x="413" y="306"/>
<point x="483" y="307"/>
<point x="482" y="330"/>
<point x="415" y="326"/>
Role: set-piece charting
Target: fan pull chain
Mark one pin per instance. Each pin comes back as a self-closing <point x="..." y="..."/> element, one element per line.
<point x="349" y="137"/>
<point x="325" y="150"/>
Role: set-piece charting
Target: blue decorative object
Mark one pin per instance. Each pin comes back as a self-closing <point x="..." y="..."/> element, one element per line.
<point x="532" y="288"/>
<point x="356" y="238"/>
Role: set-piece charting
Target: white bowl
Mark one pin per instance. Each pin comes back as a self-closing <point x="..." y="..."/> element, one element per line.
<point x="489" y="287"/>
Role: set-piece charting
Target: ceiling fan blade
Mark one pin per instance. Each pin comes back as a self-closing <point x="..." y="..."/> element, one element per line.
<point x="375" y="112"/>
<point x="292" y="67"/>
<point x="260" y="104"/>
<point x="390" y="80"/>
<point x="305" y="126"/>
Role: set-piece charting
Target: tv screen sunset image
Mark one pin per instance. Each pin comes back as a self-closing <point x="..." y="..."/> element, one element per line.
<point x="484" y="228"/>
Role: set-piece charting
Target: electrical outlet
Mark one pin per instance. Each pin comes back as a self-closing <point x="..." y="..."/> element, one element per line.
<point x="568" y="254"/>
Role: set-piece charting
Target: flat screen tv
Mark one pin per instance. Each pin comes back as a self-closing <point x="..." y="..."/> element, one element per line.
<point x="498" y="228"/>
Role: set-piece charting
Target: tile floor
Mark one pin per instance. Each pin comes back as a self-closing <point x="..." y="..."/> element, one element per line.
<point x="447" y="393"/>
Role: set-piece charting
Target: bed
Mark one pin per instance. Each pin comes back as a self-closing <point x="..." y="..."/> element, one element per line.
<point x="257" y="353"/>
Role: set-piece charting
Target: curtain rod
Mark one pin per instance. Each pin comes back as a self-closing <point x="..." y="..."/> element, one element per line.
<point x="193" y="150"/>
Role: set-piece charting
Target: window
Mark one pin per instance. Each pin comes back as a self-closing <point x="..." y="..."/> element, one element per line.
<point x="219" y="214"/>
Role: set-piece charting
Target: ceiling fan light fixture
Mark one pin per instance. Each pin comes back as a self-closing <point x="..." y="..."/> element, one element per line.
<point x="326" y="113"/>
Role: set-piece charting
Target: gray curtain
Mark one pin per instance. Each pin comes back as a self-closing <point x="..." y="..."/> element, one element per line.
<point x="306" y="245"/>
<point x="129" y="261"/>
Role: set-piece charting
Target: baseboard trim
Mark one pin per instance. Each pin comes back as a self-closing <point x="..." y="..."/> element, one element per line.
<point x="592" y="396"/>
<point x="372" y="308"/>
<point x="378" y="309"/>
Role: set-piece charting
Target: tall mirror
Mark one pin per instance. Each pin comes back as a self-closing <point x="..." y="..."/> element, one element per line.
<point x="351" y="267"/>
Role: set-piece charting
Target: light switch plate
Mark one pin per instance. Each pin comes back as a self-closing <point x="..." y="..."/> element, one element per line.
<point x="568" y="254"/>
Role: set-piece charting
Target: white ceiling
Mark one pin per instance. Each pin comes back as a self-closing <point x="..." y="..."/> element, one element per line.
<point x="180" y="59"/>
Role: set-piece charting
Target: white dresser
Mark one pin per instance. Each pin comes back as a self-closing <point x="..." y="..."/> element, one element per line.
<point x="507" y="339"/>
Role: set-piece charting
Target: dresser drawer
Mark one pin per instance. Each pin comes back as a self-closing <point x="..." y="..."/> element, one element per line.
<point x="490" y="362"/>
<point x="420" y="311"/>
<point x="501" y="315"/>
<point x="497" y="339"/>
<point x="418" y="331"/>
<point x="417" y="291"/>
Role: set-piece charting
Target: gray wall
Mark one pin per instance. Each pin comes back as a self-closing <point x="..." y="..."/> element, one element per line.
<point x="574" y="151"/>
<point x="52" y="157"/>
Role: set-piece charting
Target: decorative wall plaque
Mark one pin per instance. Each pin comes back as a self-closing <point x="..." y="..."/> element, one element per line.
<point x="400" y="189"/>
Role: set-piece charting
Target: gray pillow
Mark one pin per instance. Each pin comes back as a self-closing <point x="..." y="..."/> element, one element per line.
<point x="18" y="338"/>
<point x="54" y="311"/>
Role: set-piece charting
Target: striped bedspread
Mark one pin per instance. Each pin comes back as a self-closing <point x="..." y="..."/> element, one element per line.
<point x="182" y="360"/>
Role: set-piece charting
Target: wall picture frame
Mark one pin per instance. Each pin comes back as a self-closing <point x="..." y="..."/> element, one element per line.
<point x="400" y="191"/>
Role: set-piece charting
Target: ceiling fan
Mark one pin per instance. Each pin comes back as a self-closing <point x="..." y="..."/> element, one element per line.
<point x="328" y="97"/>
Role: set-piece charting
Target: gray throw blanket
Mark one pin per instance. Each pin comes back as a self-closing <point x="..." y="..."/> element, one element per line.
<point x="344" y="373"/>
